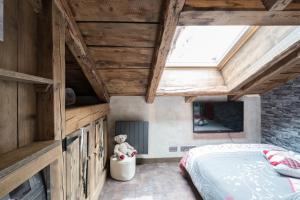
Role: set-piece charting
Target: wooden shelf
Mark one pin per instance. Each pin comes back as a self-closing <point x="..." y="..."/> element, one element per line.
<point x="24" y="78"/>
<point x="80" y="116"/>
<point x="19" y="165"/>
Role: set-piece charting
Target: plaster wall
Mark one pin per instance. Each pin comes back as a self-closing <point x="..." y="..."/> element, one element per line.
<point x="170" y="122"/>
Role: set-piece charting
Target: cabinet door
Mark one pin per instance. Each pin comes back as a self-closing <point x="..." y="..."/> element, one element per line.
<point x="85" y="154"/>
<point x="99" y="149"/>
<point x="105" y="138"/>
<point x="73" y="169"/>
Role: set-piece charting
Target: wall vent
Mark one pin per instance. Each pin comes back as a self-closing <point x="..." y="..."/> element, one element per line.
<point x="186" y="148"/>
<point x="173" y="149"/>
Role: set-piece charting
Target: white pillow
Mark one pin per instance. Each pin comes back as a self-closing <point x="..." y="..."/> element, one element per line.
<point x="284" y="162"/>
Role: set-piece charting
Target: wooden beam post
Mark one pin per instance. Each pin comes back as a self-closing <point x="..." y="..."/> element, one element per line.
<point x="79" y="49"/>
<point x="170" y="20"/>
<point x="273" y="5"/>
<point x="190" y="99"/>
<point x="36" y="5"/>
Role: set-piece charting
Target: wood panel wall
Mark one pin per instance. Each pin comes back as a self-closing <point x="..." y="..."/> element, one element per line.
<point x="18" y="52"/>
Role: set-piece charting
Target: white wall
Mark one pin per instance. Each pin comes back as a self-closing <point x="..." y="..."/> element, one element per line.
<point x="170" y="122"/>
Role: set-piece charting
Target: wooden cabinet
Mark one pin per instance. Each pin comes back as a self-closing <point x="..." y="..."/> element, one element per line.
<point x="86" y="153"/>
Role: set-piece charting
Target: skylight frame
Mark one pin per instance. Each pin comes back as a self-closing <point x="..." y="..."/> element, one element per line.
<point x="228" y="55"/>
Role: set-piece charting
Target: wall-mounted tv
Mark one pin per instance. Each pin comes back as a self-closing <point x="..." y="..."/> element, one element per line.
<point x="218" y="117"/>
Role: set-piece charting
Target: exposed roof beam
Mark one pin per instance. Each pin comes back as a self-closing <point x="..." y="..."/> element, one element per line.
<point x="190" y="99"/>
<point x="224" y="4"/>
<point x="273" y="5"/>
<point x="170" y="19"/>
<point x="187" y="91"/>
<point x="36" y="5"/>
<point x="79" y="49"/>
<point x="256" y="18"/>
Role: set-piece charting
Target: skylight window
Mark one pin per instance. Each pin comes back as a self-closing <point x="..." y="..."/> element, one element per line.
<point x="203" y="46"/>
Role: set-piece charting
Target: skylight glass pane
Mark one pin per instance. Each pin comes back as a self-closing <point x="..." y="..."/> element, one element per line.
<point x="202" y="46"/>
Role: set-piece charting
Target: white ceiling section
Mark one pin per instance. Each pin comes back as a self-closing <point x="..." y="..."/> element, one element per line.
<point x="203" y="46"/>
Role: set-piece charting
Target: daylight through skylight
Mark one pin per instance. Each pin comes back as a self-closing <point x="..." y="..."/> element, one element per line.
<point x="202" y="46"/>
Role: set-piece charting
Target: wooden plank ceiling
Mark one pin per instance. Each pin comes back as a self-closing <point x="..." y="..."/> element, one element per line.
<point x="120" y="36"/>
<point x="129" y="39"/>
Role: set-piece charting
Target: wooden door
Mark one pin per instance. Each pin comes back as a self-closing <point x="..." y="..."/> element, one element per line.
<point x="99" y="150"/>
<point x="73" y="167"/>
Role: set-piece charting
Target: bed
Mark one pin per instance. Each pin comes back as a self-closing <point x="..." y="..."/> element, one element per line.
<point x="237" y="172"/>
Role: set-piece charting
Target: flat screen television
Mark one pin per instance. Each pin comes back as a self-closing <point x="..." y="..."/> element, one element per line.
<point x="218" y="117"/>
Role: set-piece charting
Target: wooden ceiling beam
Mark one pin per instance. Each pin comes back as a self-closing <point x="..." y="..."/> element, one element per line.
<point x="187" y="91"/>
<point x="36" y="5"/>
<point x="168" y="28"/>
<point x="190" y="99"/>
<point x="276" y="5"/>
<point x="79" y="49"/>
<point x="227" y="17"/>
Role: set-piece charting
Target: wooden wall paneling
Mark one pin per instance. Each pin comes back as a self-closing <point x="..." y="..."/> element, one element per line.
<point x="78" y="48"/>
<point x="8" y="102"/>
<point x="121" y="57"/>
<point x="168" y="27"/>
<point x="242" y="41"/>
<point x="273" y="5"/>
<point x="287" y="68"/>
<point x="255" y="18"/>
<point x="283" y="48"/>
<point x="117" y="10"/>
<point x="266" y="38"/>
<point x="119" y="34"/>
<point x="27" y="63"/>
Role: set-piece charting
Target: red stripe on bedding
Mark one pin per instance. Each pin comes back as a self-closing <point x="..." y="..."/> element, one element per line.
<point x="292" y="185"/>
<point x="182" y="163"/>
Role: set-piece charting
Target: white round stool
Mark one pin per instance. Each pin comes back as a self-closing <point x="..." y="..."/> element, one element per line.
<point x="122" y="170"/>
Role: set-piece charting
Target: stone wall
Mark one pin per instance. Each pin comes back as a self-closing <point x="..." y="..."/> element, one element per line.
<point x="281" y="116"/>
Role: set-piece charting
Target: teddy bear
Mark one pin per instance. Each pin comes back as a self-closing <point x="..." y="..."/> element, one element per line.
<point x="122" y="148"/>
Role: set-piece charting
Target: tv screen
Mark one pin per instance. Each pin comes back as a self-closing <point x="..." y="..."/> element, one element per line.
<point x="216" y="117"/>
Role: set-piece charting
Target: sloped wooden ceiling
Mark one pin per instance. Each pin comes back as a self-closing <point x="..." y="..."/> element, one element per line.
<point x="121" y="37"/>
<point x="128" y="40"/>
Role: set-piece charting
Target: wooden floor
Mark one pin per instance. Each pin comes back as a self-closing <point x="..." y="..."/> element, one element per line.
<point x="161" y="181"/>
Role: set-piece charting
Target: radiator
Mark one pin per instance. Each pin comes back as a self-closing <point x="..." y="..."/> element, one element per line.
<point x="137" y="134"/>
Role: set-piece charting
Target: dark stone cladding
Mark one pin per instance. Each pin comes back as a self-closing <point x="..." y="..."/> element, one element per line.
<point x="281" y="116"/>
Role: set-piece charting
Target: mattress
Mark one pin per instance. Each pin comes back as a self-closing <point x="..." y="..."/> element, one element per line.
<point x="237" y="172"/>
